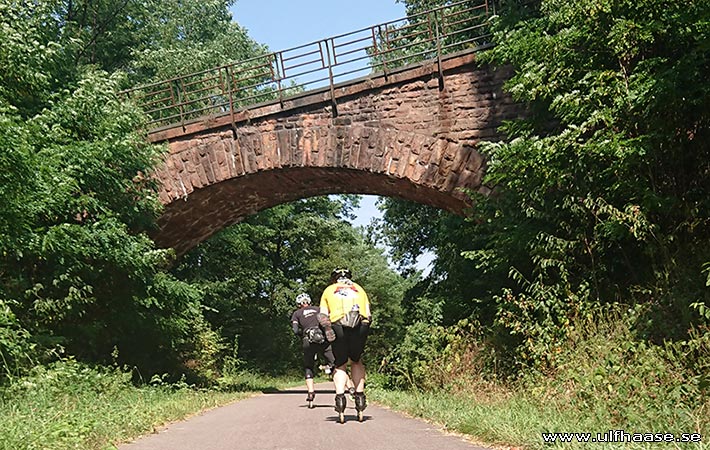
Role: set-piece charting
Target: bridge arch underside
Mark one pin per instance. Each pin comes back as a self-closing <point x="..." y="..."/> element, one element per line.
<point x="410" y="135"/>
<point x="186" y="223"/>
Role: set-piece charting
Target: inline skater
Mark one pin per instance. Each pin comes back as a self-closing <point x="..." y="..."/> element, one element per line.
<point x="345" y="305"/>
<point x="305" y="324"/>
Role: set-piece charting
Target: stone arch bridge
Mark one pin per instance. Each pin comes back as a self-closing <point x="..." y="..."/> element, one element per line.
<point x="412" y="136"/>
<point x="408" y="128"/>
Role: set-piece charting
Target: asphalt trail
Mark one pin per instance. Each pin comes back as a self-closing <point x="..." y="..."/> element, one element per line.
<point x="282" y="421"/>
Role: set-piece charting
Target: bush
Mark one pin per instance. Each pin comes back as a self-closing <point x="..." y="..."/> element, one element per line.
<point x="15" y="345"/>
<point x="409" y="364"/>
<point x="606" y="374"/>
<point x="609" y="374"/>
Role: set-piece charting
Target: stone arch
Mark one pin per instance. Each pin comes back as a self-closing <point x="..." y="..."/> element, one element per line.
<point x="410" y="135"/>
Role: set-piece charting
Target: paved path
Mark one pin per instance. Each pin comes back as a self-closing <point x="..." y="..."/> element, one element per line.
<point x="282" y="421"/>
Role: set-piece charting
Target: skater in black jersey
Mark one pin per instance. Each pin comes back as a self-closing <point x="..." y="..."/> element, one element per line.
<point x="304" y="322"/>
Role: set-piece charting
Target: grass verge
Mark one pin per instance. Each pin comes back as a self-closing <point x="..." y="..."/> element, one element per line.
<point x="72" y="406"/>
<point x="609" y="386"/>
<point x="514" y="420"/>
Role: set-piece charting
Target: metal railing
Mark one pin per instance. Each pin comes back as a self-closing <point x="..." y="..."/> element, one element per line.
<point x="279" y="75"/>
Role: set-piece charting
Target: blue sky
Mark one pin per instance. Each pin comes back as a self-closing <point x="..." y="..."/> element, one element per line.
<point x="283" y="24"/>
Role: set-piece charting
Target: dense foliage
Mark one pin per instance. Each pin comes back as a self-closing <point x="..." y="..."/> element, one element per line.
<point x="79" y="274"/>
<point x="601" y="192"/>
<point x="611" y="173"/>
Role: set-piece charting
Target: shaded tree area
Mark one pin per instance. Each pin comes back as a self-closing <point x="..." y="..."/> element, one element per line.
<point x="616" y="189"/>
<point x="251" y="273"/>
<point x="600" y="194"/>
<point x="75" y="258"/>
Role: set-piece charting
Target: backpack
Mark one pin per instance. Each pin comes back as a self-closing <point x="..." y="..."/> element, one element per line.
<point x="314" y="335"/>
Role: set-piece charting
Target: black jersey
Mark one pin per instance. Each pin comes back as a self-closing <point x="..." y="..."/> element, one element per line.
<point x="305" y="318"/>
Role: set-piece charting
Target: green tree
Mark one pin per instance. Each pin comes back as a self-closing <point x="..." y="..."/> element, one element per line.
<point x="252" y="271"/>
<point x="78" y="273"/>
<point x="196" y="36"/>
<point x="612" y="169"/>
<point x="601" y="191"/>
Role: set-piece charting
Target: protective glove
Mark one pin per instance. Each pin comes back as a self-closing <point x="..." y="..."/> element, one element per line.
<point x="324" y="322"/>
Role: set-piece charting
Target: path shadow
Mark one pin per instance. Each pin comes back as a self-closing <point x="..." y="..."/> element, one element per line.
<point x="246" y="387"/>
<point x="298" y="391"/>
<point x="316" y="406"/>
<point x="348" y="418"/>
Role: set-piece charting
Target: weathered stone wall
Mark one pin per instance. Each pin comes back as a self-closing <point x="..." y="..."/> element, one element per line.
<point x="405" y="136"/>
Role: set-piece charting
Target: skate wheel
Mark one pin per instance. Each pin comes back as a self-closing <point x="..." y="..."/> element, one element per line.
<point x="360" y="416"/>
<point x="341" y="417"/>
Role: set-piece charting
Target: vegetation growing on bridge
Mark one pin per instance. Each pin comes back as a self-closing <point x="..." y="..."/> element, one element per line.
<point x="582" y="284"/>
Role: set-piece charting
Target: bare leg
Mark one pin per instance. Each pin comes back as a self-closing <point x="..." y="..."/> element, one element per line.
<point x="309" y="384"/>
<point x="340" y="379"/>
<point x="358" y="373"/>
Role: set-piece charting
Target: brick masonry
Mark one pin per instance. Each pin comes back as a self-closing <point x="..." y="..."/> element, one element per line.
<point x="406" y="135"/>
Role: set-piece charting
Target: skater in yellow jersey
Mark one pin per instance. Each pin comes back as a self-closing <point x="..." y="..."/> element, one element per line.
<point x="344" y="304"/>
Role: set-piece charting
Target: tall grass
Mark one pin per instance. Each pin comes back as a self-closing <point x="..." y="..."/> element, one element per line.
<point x="609" y="380"/>
<point x="71" y="406"/>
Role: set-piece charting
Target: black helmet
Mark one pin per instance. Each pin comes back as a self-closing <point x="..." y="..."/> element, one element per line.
<point x="340" y="273"/>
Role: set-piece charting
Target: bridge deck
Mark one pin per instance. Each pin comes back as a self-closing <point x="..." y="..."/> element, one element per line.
<point x="236" y="90"/>
<point x="314" y="97"/>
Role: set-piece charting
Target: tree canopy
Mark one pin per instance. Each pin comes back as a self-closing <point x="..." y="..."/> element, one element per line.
<point x="79" y="274"/>
<point x="600" y="192"/>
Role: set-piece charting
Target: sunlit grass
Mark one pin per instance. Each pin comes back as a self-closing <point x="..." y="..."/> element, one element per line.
<point x="606" y="379"/>
<point x="518" y="421"/>
<point x="70" y="406"/>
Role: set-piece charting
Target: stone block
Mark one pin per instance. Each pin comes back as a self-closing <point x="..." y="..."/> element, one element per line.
<point x="414" y="140"/>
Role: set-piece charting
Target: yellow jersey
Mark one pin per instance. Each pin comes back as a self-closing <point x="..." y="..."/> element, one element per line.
<point x="339" y="299"/>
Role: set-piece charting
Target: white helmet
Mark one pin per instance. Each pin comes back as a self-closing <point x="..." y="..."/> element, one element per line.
<point x="302" y="299"/>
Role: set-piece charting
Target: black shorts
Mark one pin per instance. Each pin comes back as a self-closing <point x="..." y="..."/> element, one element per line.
<point x="309" y="353"/>
<point x="349" y="343"/>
